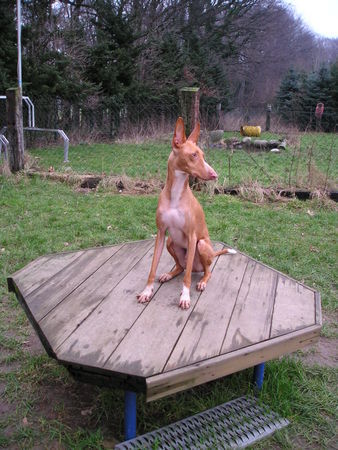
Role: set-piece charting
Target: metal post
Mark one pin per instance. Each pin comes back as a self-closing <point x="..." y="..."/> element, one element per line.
<point x="129" y="415"/>
<point x="18" y="14"/>
<point x="259" y="376"/>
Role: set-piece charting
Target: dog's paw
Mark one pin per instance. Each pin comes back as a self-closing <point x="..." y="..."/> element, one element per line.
<point x="184" y="303"/>
<point x="165" y="277"/>
<point x="185" y="298"/>
<point x="232" y="251"/>
<point x="201" y="285"/>
<point x="145" y="296"/>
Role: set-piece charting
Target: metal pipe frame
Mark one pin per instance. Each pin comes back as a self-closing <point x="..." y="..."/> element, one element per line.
<point x="259" y="376"/>
<point x="130" y="403"/>
<point x="61" y="133"/>
<point x="4" y="143"/>
<point x="31" y="109"/>
<point x="129" y="415"/>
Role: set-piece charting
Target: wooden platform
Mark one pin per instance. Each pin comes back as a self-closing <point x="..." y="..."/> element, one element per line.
<point x="83" y="306"/>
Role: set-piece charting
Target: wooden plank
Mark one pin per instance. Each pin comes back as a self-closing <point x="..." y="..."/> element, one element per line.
<point x="107" y="379"/>
<point x="22" y="301"/>
<point x="36" y="273"/>
<point x="294" y="308"/>
<point x="319" y="319"/>
<point x="145" y="349"/>
<point x="203" y="334"/>
<point x="277" y="271"/>
<point x="77" y="306"/>
<point x="251" y="319"/>
<point x="168" y="383"/>
<point x="53" y="291"/>
<point x="95" y="340"/>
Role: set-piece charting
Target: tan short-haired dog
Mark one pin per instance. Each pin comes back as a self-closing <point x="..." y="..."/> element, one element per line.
<point x="180" y="213"/>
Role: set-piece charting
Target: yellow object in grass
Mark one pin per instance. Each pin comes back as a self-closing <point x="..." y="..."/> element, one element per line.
<point x="248" y="130"/>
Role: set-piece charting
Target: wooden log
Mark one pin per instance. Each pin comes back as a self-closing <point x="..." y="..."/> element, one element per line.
<point x="190" y="107"/>
<point x="15" y="129"/>
<point x="268" y="117"/>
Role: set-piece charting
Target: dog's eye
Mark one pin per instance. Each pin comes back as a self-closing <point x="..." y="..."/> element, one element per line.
<point x="194" y="155"/>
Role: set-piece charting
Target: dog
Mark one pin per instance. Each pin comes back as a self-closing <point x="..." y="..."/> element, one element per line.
<point x="180" y="213"/>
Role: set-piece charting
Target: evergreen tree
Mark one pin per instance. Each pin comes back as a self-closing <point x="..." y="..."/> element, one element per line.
<point x="289" y="95"/>
<point x="8" y="47"/>
<point x="299" y="94"/>
<point x="112" y="58"/>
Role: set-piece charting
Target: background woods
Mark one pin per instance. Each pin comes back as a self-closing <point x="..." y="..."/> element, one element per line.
<point x="102" y="64"/>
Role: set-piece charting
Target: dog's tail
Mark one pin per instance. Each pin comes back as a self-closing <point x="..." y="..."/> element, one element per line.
<point x="231" y="251"/>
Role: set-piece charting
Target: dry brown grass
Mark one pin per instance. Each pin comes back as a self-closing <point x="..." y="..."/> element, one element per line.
<point x="125" y="185"/>
<point x="322" y="200"/>
<point x="4" y="169"/>
<point x="252" y="191"/>
<point x="121" y="184"/>
<point x="159" y="129"/>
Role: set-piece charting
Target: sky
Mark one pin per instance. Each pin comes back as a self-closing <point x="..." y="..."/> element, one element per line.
<point x="321" y="16"/>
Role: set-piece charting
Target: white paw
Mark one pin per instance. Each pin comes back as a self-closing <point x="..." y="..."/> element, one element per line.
<point x="184" y="303"/>
<point x="164" y="277"/>
<point x="232" y="251"/>
<point x="185" y="298"/>
<point x="145" y="296"/>
<point x="201" y="285"/>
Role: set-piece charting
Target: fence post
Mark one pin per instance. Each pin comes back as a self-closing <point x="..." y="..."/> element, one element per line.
<point x="15" y="129"/>
<point x="268" y="117"/>
<point x="190" y="107"/>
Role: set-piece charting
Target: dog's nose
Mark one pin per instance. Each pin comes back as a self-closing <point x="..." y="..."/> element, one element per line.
<point x="212" y="175"/>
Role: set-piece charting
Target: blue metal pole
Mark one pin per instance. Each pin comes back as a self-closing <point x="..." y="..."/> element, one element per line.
<point x="259" y="375"/>
<point x="129" y="415"/>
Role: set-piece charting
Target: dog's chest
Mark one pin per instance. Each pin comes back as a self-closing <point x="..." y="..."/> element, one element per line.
<point x="172" y="213"/>
<point x="173" y="218"/>
<point x="174" y="221"/>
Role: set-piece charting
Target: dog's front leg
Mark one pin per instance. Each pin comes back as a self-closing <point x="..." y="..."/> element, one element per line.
<point x="145" y="296"/>
<point x="185" y="295"/>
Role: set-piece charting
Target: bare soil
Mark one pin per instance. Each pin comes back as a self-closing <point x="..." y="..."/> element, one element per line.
<point x="325" y="351"/>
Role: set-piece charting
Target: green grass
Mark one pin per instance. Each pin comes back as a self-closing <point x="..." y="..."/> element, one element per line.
<point x="39" y="217"/>
<point x="149" y="160"/>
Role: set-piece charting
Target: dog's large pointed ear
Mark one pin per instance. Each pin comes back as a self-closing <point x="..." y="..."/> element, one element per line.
<point x="195" y="133"/>
<point x="179" y="134"/>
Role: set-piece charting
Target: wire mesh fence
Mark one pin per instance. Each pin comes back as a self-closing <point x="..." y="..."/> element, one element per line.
<point x="309" y="160"/>
<point x="99" y="119"/>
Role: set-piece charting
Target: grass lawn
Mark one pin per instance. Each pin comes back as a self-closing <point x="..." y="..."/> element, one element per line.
<point x="305" y="166"/>
<point x="40" y="405"/>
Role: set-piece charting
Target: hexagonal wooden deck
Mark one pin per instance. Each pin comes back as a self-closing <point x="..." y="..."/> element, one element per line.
<point x="83" y="306"/>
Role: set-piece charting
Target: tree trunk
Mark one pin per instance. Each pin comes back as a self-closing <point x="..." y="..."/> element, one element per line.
<point x="15" y="129"/>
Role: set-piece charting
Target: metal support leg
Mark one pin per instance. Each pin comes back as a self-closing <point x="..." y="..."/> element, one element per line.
<point x="129" y="415"/>
<point x="259" y="375"/>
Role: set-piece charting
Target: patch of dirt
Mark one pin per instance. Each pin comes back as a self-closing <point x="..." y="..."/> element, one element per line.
<point x="6" y="409"/>
<point x="33" y="344"/>
<point x="63" y="400"/>
<point x="324" y="353"/>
